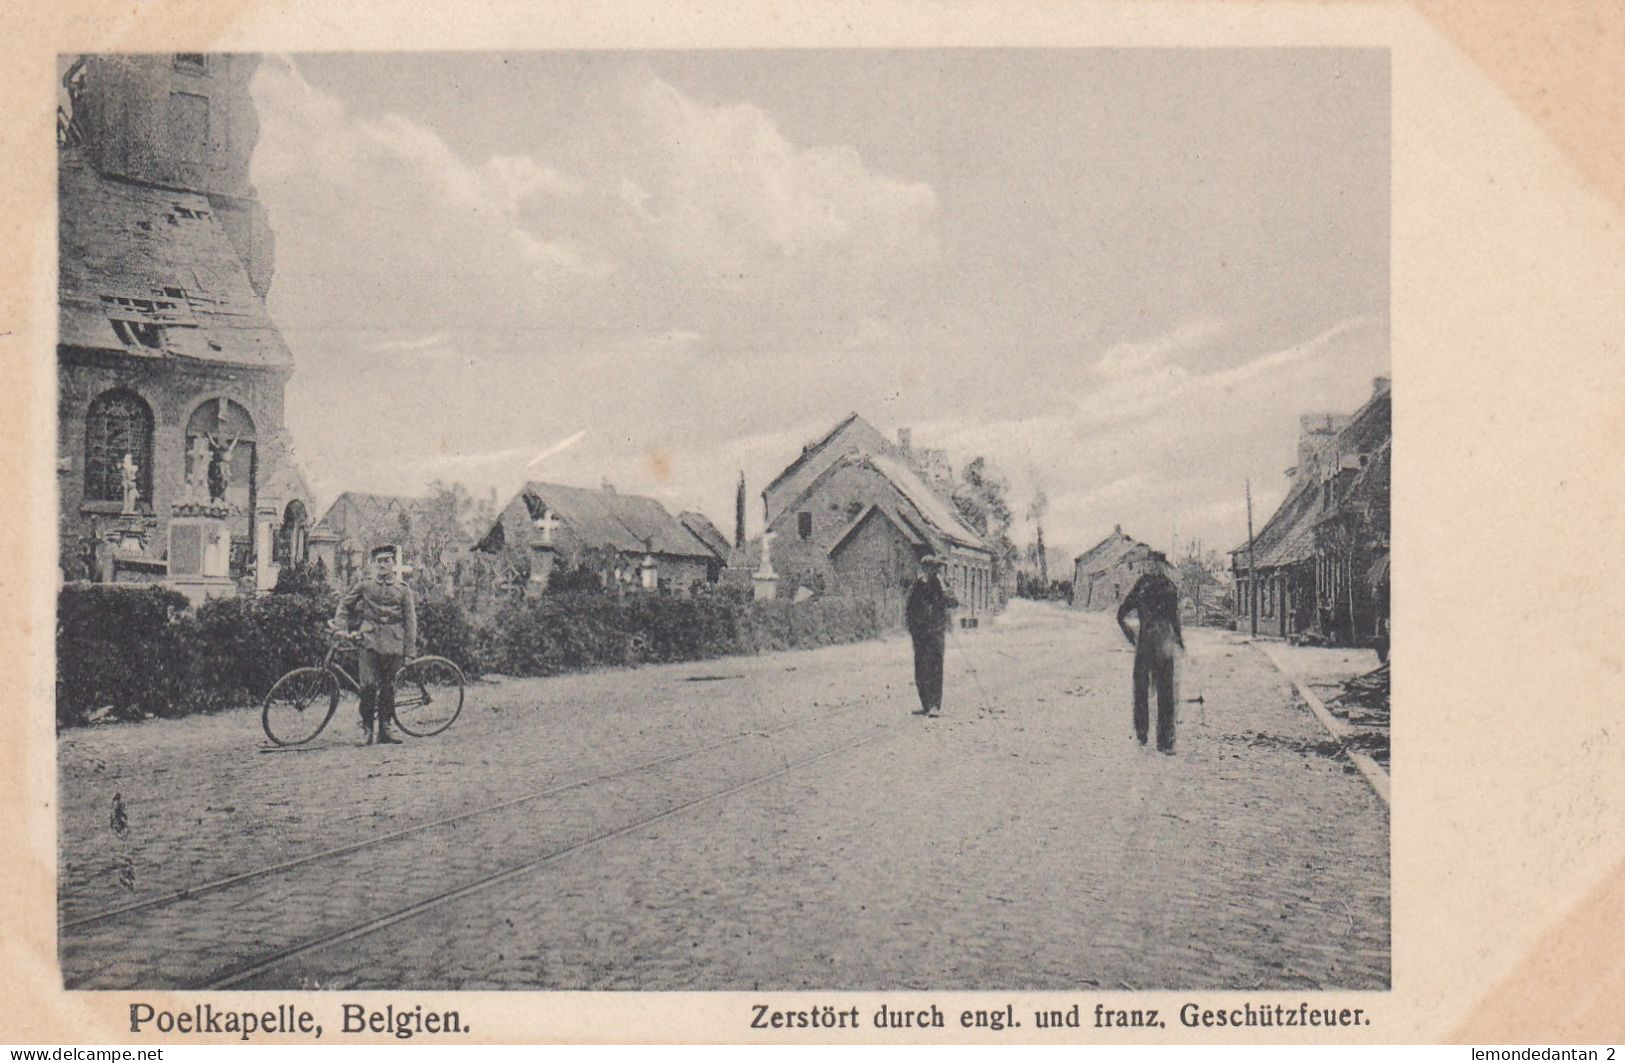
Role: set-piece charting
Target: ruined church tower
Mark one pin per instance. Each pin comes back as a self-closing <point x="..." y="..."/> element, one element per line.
<point x="165" y="343"/>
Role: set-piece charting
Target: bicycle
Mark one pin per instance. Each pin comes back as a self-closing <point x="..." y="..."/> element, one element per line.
<point x="428" y="696"/>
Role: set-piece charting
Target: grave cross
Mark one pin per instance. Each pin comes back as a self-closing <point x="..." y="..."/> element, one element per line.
<point x="546" y="523"/>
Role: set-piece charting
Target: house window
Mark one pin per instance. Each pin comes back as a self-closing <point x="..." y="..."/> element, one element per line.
<point x="192" y="62"/>
<point x="117" y="424"/>
<point x="804" y="525"/>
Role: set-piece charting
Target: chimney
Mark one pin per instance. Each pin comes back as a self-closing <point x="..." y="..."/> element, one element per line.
<point x="1117" y="529"/>
<point x="905" y="439"/>
<point x="1380" y="384"/>
<point x="605" y="486"/>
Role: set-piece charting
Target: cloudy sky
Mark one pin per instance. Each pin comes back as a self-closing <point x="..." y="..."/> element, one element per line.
<point x="1119" y="275"/>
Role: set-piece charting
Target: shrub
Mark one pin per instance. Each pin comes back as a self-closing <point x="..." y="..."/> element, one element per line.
<point x="242" y="645"/>
<point x="117" y="647"/>
<point x="307" y="578"/>
<point x="445" y="630"/>
<point x="570" y="632"/>
<point x="571" y="581"/>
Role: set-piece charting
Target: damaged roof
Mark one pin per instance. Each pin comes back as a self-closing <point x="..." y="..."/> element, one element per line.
<point x="851" y="435"/>
<point x="150" y="272"/>
<point x="938" y="513"/>
<point x="1106" y="553"/>
<point x="1288" y="537"/>
<point x="706" y="532"/>
<point x="373" y="514"/>
<point x="602" y="517"/>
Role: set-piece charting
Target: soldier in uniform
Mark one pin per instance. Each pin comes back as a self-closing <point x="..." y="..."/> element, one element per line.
<point x="1156" y="650"/>
<point x="381" y="607"/>
<point x="926" y="614"/>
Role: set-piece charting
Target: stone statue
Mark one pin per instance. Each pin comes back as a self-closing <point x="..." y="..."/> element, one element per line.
<point x="129" y="471"/>
<point x="219" y="466"/>
<point x="766" y="568"/>
<point x="197" y="477"/>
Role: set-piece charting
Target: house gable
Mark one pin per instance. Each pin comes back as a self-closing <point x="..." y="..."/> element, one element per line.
<point x="852" y="435"/>
<point x="877" y="514"/>
<point x="844" y="491"/>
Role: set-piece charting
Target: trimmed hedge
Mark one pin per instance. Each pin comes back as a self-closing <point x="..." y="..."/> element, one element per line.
<point x="136" y="652"/>
<point x="572" y="632"/>
<point x="243" y="645"/>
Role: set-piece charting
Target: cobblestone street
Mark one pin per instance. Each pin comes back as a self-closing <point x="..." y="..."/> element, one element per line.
<point x="775" y="822"/>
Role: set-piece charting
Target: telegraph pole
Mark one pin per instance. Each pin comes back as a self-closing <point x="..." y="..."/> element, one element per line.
<point x="1252" y="561"/>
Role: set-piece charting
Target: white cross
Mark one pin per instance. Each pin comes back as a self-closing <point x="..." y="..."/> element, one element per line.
<point x="546" y="523"/>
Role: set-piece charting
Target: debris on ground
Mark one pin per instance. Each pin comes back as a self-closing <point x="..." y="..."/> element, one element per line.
<point x="1364" y="698"/>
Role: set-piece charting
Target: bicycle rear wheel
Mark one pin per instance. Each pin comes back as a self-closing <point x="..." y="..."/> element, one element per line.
<point x="428" y="696"/>
<point x="299" y="706"/>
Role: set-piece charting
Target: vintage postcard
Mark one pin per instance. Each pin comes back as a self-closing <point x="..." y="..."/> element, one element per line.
<point x="847" y="525"/>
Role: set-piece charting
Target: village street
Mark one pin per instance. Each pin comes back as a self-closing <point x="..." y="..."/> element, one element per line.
<point x="772" y="822"/>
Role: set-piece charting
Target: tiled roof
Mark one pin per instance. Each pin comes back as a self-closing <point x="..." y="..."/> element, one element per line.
<point x="1299" y="508"/>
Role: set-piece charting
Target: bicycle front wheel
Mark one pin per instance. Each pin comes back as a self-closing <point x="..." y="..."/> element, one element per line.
<point x="428" y="696"/>
<point x="299" y="706"/>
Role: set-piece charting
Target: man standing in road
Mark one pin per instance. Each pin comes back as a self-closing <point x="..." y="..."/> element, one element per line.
<point x="383" y="607"/>
<point x="1156" y="649"/>
<point x="926" y="614"/>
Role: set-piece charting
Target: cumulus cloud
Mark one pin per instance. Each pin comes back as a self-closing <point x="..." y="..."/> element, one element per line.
<point x="686" y="272"/>
<point x="383" y="226"/>
<point x="726" y="192"/>
<point x="1156" y="443"/>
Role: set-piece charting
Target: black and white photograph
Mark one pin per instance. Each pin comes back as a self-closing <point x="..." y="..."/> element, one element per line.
<point x="808" y="525"/>
<point x="725" y="520"/>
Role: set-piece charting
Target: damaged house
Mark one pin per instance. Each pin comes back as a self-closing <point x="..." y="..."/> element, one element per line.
<point x="1318" y="568"/>
<point x="855" y="512"/>
<point x="628" y="541"/>
<point x="1104" y="573"/>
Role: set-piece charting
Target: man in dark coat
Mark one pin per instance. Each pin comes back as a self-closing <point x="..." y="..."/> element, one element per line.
<point x="926" y="614"/>
<point x="1157" y="649"/>
<point x="381" y="607"/>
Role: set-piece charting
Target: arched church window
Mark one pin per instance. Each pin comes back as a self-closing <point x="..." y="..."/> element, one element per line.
<point x="118" y="423"/>
<point x="289" y="548"/>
